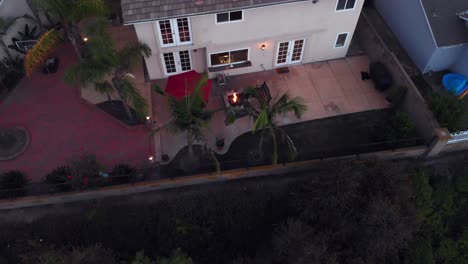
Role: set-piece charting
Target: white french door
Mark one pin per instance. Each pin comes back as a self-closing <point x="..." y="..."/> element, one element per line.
<point x="174" y="32"/>
<point x="289" y="52"/>
<point x="176" y="62"/>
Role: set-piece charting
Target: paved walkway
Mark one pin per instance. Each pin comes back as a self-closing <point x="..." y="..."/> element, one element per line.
<point x="61" y="125"/>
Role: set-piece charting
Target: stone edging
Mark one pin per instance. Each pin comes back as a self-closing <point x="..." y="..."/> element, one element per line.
<point x="25" y="146"/>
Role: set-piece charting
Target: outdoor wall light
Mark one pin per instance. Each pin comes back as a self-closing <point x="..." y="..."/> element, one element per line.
<point x="150" y="158"/>
<point x="263" y="46"/>
<point x="148" y="118"/>
<point x="85" y="39"/>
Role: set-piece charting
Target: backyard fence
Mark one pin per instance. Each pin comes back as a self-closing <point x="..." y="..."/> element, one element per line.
<point x="414" y="103"/>
<point x="392" y="149"/>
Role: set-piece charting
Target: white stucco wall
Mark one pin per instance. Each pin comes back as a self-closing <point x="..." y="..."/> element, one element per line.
<point x="462" y="65"/>
<point x="318" y="23"/>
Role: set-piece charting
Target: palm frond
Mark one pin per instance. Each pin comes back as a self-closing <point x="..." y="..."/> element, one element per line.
<point x="158" y="90"/>
<point x="262" y="121"/>
<point x="41" y="50"/>
<point x="285" y="105"/>
<point x="86" y="72"/>
<point x="7" y="23"/>
<point x="291" y="147"/>
<point x="275" y="145"/>
<point x="131" y="53"/>
<point x="130" y="94"/>
<point x="60" y="9"/>
<point x="100" y="44"/>
<point x="104" y="87"/>
<point x="89" y="8"/>
<point x="196" y="98"/>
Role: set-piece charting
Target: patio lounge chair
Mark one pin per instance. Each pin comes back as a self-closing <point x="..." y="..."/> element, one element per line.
<point x="264" y="93"/>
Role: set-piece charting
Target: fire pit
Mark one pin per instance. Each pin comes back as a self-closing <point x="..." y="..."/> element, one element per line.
<point x="235" y="99"/>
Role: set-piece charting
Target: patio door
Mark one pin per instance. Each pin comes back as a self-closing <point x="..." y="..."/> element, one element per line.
<point x="176" y="62"/>
<point x="289" y="52"/>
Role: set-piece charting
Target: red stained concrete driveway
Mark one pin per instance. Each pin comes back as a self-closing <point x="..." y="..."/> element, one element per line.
<point x="62" y="125"/>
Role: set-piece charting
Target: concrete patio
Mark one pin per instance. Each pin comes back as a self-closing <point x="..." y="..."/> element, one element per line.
<point x="329" y="88"/>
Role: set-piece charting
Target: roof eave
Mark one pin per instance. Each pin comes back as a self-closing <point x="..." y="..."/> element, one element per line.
<point x="131" y="22"/>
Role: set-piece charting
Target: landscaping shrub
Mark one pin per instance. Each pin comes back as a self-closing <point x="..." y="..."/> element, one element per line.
<point x="396" y="95"/>
<point x="61" y="178"/>
<point x="422" y="191"/>
<point x="85" y="170"/>
<point x="12" y="184"/>
<point x="447" y="110"/>
<point x="122" y="173"/>
<point x="421" y="252"/>
<point x="402" y="127"/>
<point x="11" y="72"/>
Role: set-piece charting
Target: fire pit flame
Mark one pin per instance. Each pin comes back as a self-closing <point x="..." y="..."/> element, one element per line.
<point x="235" y="99"/>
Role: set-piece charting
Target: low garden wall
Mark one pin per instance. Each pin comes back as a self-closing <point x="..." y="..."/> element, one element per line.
<point x="414" y="103"/>
<point x="157" y="185"/>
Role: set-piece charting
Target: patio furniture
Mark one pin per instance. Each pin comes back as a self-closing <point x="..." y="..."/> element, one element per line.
<point x="236" y="105"/>
<point x="51" y="65"/>
<point x="222" y="79"/>
<point x="381" y="76"/>
<point x="263" y="93"/>
<point x="181" y="85"/>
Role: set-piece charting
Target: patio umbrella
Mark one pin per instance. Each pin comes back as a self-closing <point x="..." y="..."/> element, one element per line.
<point x="181" y="85"/>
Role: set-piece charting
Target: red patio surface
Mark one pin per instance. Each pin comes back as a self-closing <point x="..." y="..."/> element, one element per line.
<point x="62" y="125"/>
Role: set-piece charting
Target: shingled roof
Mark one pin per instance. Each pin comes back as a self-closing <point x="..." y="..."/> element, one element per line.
<point x="447" y="28"/>
<point x="146" y="10"/>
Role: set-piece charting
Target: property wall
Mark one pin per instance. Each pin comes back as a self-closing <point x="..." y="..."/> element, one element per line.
<point x="406" y="18"/>
<point x="318" y="23"/>
<point x="414" y="103"/>
<point x="461" y="66"/>
<point x="445" y="58"/>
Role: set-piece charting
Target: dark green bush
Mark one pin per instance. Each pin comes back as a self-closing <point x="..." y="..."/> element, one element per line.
<point x="12" y="183"/>
<point x="421" y="251"/>
<point x="85" y="170"/>
<point x="447" y="109"/>
<point x="11" y="72"/>
<point x="122" y="173"/>
<point x="402" y="127"/>
<point x="61" y="178"/>
<point x="396" y="95"/>
<point x="423" y="192"/>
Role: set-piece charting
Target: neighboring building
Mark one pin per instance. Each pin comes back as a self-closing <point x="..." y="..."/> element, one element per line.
<point x="430" y="31"/>
<point x="240" y="36"/>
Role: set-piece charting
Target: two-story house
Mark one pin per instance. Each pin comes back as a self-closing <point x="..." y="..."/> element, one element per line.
<point x="433" y="32"/>
<point x="240" y="36"/>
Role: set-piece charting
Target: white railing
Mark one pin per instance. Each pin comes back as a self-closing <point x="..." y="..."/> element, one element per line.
<point x="459" y="137"/>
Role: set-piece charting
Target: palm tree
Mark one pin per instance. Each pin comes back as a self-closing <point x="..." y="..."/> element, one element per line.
<point x="5" y="25"/>
<point x="108" y="69"/>
<point x="70" y="13"/>
<point x="189" y="116"/>
<point x="266" y="115"/>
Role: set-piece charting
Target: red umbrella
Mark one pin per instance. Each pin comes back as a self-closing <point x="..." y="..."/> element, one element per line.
<point x="181" y="85"/>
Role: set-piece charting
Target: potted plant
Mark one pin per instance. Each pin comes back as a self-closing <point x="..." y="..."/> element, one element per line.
<point x="220" y="142"/>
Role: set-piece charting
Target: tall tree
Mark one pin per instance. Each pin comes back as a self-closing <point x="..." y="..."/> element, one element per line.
<point x="190" y="116"/>
<point x="265" y="117"/>
<point x="108" y="69"/>
<point x="69" y="13"/>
